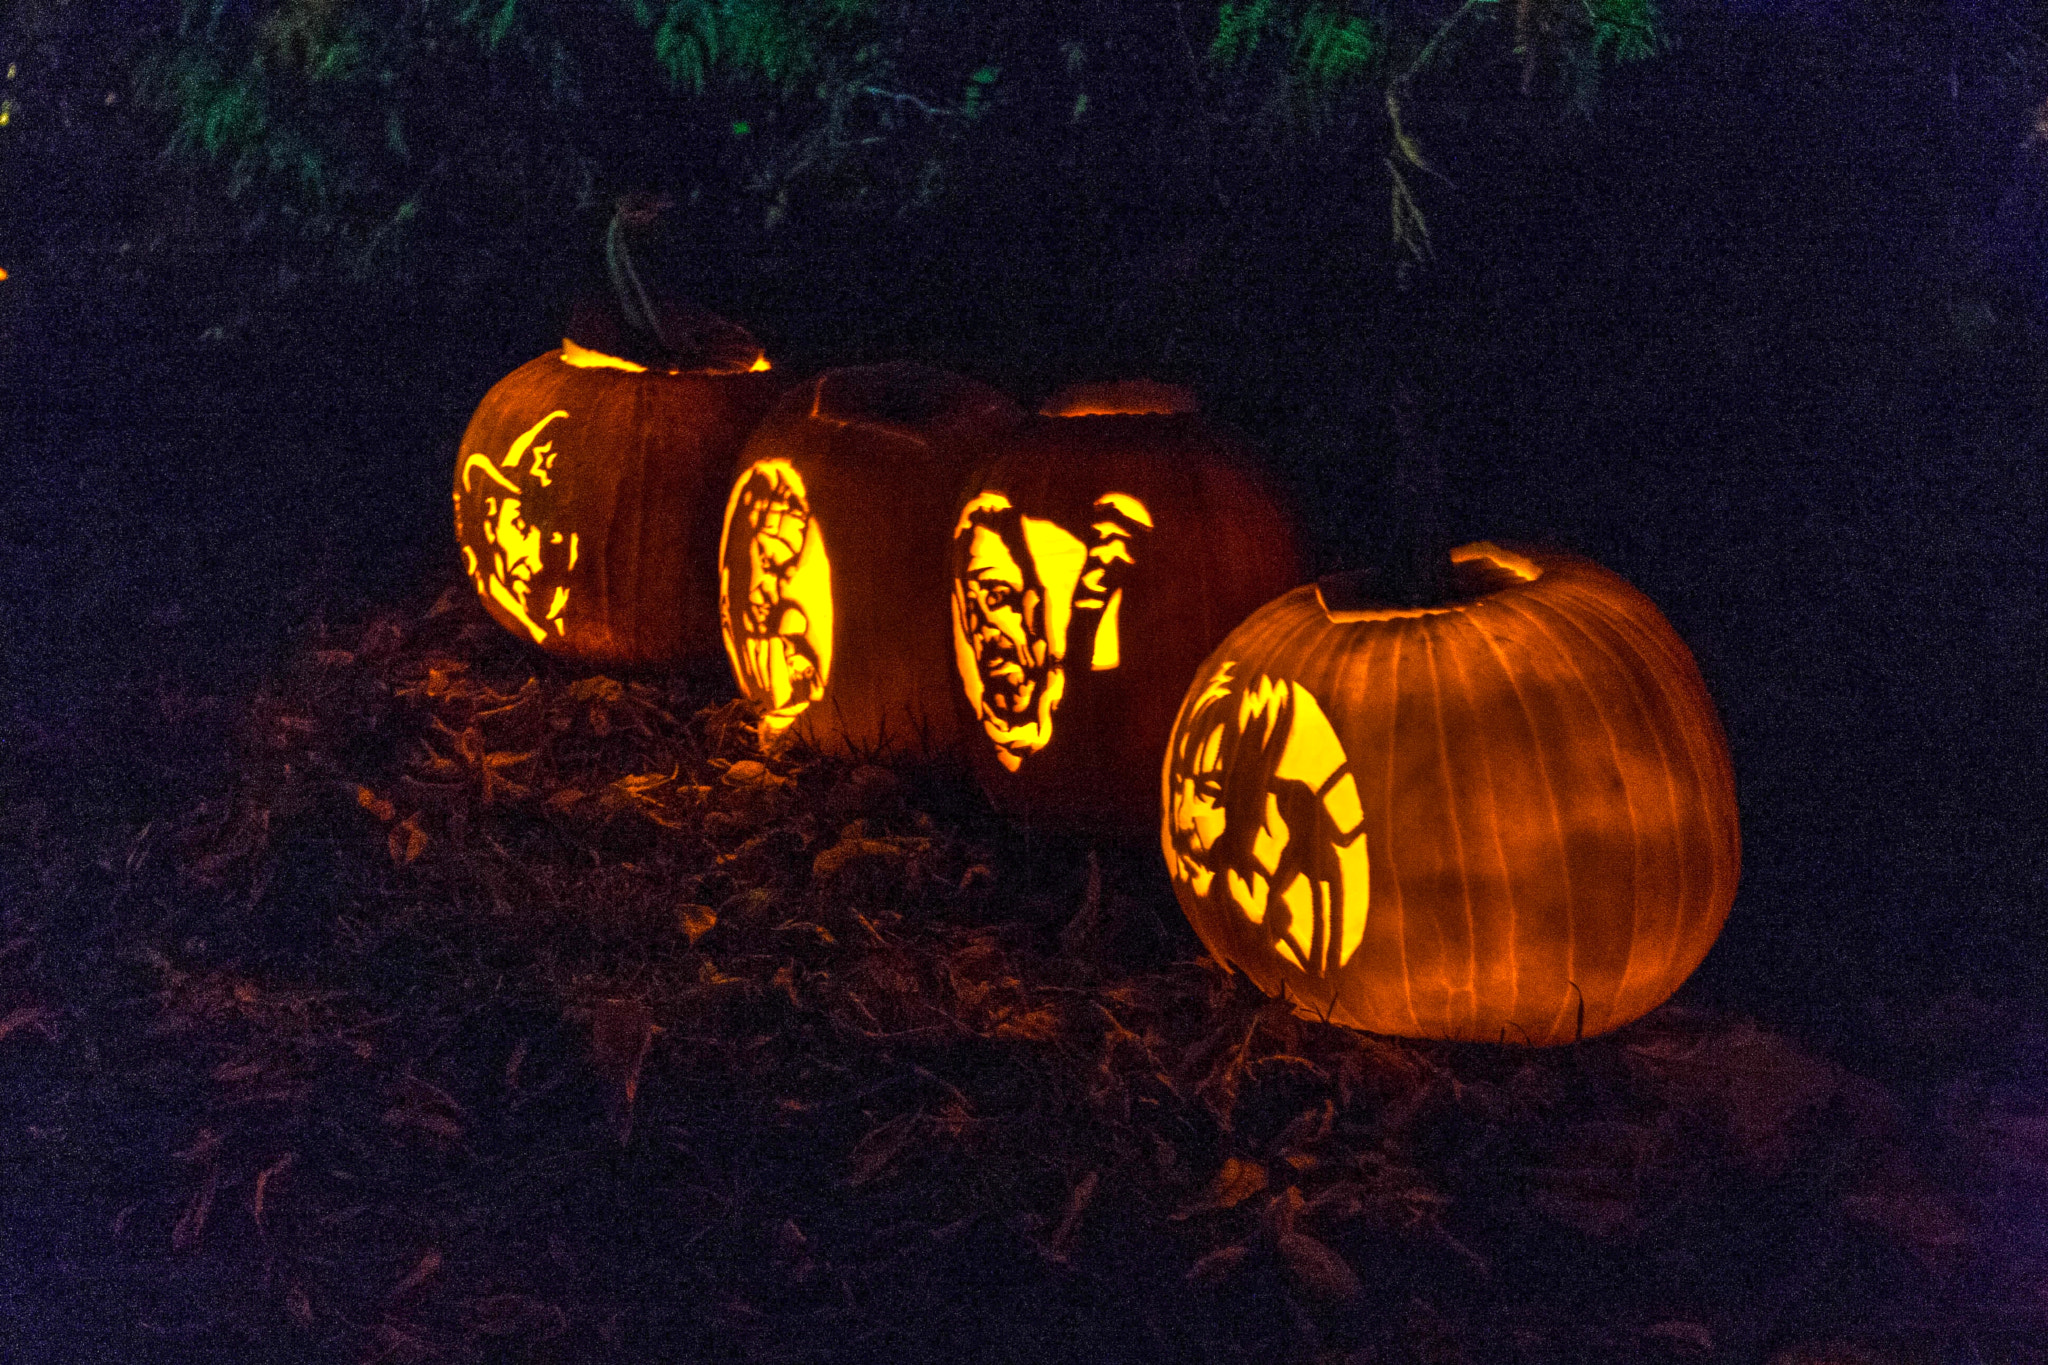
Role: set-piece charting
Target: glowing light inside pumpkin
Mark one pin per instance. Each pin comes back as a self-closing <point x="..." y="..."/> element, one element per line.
<point x="1121" y="398"/>
<point x="517" y="545"/>
<point x="1478" y="570"/>
<point x="583" y="358"/>
<point x="1028" y="590"/>
<point x="775" y="593"/>
<point x="1260" y="796"/>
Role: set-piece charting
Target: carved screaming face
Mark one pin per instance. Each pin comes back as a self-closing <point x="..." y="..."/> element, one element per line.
<point x="1028" y="593"/>
<point x="775" y="593"/>
<point x="520" y="548"/>
<point x="1262" y="808"/>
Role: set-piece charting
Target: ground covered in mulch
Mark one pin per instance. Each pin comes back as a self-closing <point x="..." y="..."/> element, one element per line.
<point x="496" y="1010"/>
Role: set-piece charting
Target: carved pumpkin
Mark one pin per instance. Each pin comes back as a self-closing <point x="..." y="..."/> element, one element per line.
<point x="832" y="559"/>
<point x="1098" y="558"/>
<point x="587" y="495"/>
<point x="1510" y="817"/>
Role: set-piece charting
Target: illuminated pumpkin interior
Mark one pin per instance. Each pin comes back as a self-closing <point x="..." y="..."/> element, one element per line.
<point x="1120" y="398"/>
<point x="775" y="593"/>
<point x="521" y="551"/>
<point x="1027" y="590"/>
<point x="584" y="358"/>
<point x="1260" y="793"/>
<point x="1478" y="571"/>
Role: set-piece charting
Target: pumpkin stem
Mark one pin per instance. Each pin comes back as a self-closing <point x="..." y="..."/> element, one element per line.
<point x="636" y="314"/>
<point x="1415" y="568"/>
<point x="636" y="301"/>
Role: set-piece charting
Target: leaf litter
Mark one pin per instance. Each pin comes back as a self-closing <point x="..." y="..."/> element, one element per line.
<point x="504" y="1010"/>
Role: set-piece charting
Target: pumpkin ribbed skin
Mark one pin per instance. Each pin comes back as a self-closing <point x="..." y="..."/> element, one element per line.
<point x="615" y="480"/>
<point x="1142" y="539"/>
<point x="1467" y="822"/>
<point x="832" y="557"/>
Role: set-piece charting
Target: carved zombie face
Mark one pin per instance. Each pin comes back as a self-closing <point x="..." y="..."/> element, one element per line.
<point x="1025" y="591"/>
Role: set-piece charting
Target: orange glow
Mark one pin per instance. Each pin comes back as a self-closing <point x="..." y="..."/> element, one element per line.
<point x="1120" y="398"/>
<point x="1245" y="760"/>
<point x="518" y="546"/>
<point x="1536" y="775"/>
<point x="1022" y="585"/>
<point x="566" y="467"/>
<point x="583" y="358"/>
<point x="775" y="593"/>
<point x="1477" y="571"/>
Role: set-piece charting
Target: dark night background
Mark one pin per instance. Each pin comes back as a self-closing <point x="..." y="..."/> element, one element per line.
<point x="1755" y="333"/>
<point x="1733" y="336"/>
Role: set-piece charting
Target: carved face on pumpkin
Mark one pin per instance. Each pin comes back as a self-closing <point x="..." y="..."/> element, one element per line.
<point x="1262" y="808"/>
<point x="1027" y="593"/>
<point x="775" y="592"/>
<point x="521" y="550"/>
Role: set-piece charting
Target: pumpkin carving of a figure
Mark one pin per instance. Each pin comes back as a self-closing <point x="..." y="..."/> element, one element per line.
<point x="832" y="558"/>
<point x="588" y="484"/>
<point x="1510" y="817"/>
<point x="1106" y="545"/>
<point x="587" y="492"/>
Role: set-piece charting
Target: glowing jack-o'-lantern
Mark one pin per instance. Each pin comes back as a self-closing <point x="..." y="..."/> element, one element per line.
<point x="1509" y="817"/>
<point x="1107" y="545"/>
<point x="587" y="495"/>
<point x="832" y="560"/>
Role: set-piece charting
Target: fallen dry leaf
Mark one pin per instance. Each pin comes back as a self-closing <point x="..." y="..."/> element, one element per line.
<point x="874" y="1153"/>
<point x="185" y="1235"/>
<point x="1318" y="1270"/>
<point x="42" y="1020"/>
<point x="263" y="1179"/>
<point x="1070" y="1222"/>
<point x="516" y="1315"/>
<point x="621" y="1034"/>
<point x="1215" y="1267"/>
<point x="421" y="1273"/>
<point x="1758" y="1082"/>
<point x="696" y="920"/>
<point x="406" y="841"/>
<point x="1236" y="1182"/>
<point x="427" y="1108"/>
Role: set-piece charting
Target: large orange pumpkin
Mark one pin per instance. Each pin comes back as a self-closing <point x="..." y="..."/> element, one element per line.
<point x="832" y="560"/>
<point x="586" y="500"/>
<point x="1105" y="547"/>
<point x="1510" y="817"/>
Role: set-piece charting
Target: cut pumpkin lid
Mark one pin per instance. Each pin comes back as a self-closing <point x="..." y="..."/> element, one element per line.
<point x="1121" y="398"/>
<point x="587" y="358"/>
<point x="913" y="400"/>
